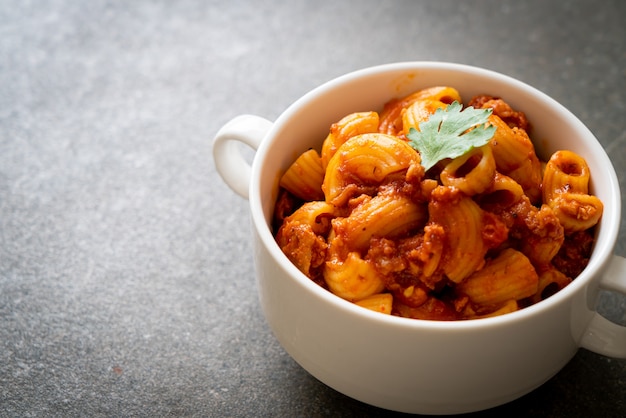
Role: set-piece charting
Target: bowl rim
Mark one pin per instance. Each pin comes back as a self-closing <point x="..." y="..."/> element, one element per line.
<point x="599" y="259"/>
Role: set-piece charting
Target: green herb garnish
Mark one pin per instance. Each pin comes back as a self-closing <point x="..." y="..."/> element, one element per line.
<point x="450" y="133"/>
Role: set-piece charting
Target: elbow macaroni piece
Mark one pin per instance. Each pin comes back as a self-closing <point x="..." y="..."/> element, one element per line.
<point x="380" y="302"/>
<point x="577" y="211"/>
<point x="501" y="194"/>
<point x="509" y="276"/>
<point x="351" y="125"/>
<point x="565" y="172"/>
<point x="566" y="191"/>
<point x="550" y="282"/>
<point x="365" y="160"/>
<point x="300" y="236"/>
<point x="419" y="112"/>
<point x="352" y="278"/>
<point x="314" y="214"/>
<point x="381" y="216"/>
<point x="480" y="235"/>
<point x="391" y="118"/>
<point x="475" y="179"/>
<point x="462" y="221"/>
<point x="305" y="176"/>
<point x="515" y="157"/>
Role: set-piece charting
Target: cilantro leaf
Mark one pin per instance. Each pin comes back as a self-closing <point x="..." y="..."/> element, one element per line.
<point x="451" y="133"/>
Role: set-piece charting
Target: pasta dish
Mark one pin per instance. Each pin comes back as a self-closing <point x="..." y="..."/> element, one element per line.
<point x="480" y="234"/>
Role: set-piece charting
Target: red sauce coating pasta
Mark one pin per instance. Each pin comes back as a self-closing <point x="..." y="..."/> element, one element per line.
<point x="489" y="235"/>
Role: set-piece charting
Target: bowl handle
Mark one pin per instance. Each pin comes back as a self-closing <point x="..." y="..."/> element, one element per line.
<point x="229" y="161"/>
<point x="603" y="336"/>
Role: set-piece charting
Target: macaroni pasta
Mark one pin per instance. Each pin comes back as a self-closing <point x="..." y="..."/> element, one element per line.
<point x="480" y="235"/>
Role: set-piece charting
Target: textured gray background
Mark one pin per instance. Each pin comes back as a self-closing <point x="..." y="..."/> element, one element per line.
<point x="126" y="279"/>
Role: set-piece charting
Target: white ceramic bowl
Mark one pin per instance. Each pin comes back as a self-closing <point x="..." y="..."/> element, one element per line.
<point x="409" y="365"/>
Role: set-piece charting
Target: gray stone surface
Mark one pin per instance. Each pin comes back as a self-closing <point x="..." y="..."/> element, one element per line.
<point x="126" y="279"/>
